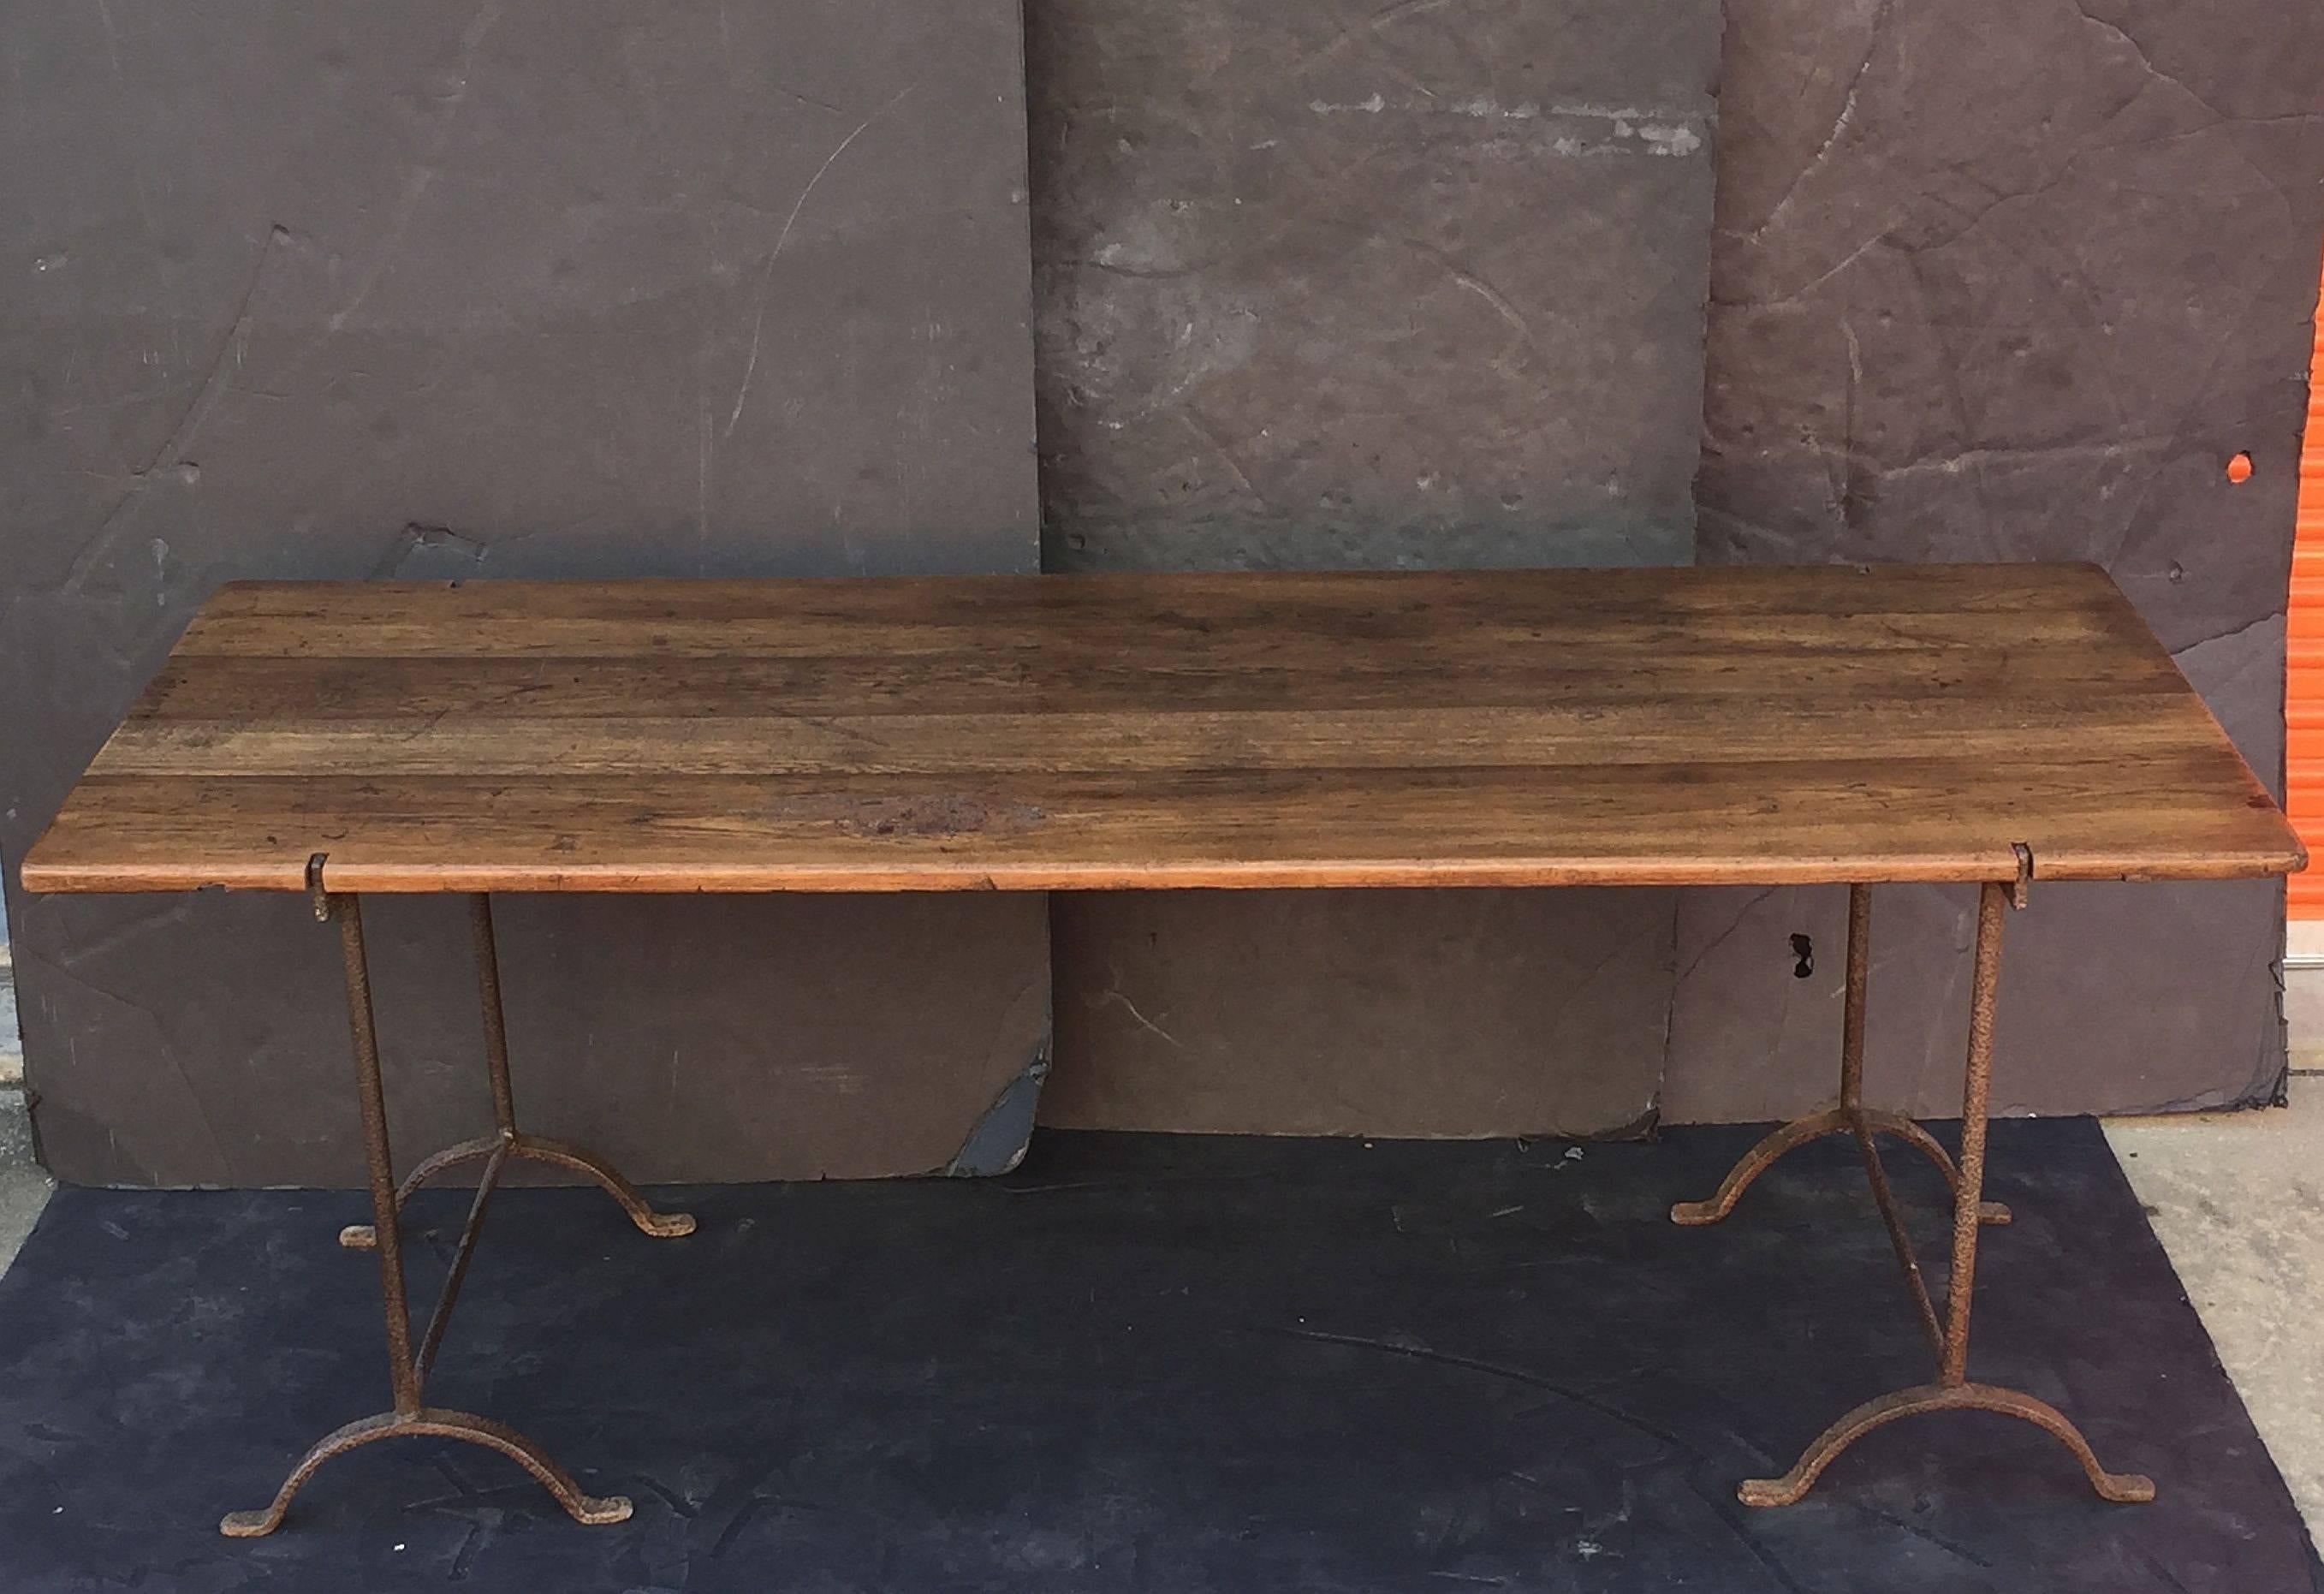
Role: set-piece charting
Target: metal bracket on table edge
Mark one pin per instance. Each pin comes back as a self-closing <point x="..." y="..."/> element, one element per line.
<point x="2024" y="872"/>
<point x="316" y="895"/>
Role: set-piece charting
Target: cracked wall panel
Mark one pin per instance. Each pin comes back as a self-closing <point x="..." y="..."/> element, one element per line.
<point x="1302" y="303"/>
<point x="2026" y="304"/>
<point x="501" y="290"/>
<point x="1412" y="1013"/>
<point x="1933" y="374"/>
<point x="630" y="470"/>
<point x="1842" y="118"/>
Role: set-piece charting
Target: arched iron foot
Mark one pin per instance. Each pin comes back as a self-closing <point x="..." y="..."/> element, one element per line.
<point x="660" y="1225"/>
<point x="1756" y="1162"/>
<point x="2123" y="1488"/>
<point x="361" y="1236"/>
<point x="1831" y="1121"/>
<point x="437" y="1423"/>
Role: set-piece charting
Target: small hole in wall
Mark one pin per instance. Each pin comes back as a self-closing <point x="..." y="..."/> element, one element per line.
<point x="1802" y="950"/>
<point x="2239" y="468"/>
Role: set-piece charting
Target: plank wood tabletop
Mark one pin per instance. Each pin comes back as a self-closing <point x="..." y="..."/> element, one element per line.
<point x="1754" y="724"/>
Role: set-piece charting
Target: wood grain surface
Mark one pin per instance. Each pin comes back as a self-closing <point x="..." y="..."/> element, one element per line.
<point x="1758" y="725"/>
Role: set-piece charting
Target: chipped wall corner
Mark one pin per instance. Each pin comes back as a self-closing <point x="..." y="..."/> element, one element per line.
<point x="999" y="1141"/>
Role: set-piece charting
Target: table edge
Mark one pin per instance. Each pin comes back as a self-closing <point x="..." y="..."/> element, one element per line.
<point x="74" y="879"/>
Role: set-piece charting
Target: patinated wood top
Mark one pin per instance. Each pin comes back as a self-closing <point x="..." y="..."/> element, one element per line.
<point x="1628" y="727"/>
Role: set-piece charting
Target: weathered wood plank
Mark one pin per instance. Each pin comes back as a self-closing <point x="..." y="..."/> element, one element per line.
<point x="1790" y="727"/>
<point x="1759" y="725"/>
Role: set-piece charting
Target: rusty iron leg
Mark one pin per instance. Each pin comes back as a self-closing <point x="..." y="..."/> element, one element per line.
<point x="1952" y="1391"/>
<point x="507" y="1141"/>
<point x="1850" y="1117"/>
<point x="407" y="1369"/>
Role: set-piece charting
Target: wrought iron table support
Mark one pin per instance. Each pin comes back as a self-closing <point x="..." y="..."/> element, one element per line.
<point x="407" y="1368"/>
<point x="1851" y="1116"/>
<point x="1949" y="1332"/>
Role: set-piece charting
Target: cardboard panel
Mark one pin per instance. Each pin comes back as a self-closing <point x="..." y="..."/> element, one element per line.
<point x="1422" y="1013"/>
<point x="1994" y="281"/>
<point x="522" y="290"/>
<point x="1328" y="284"/>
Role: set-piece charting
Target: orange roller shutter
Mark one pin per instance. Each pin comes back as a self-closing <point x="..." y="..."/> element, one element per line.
<point x="2303" y="695"/>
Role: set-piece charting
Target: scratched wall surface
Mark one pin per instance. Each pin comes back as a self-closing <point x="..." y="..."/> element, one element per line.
<point x="1998" y="279"/>
<point x="520" y="288"/>
<point x="1332" y="283"/>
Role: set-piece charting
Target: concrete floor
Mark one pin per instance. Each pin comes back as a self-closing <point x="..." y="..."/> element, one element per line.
<point x="2237" y="1199"/>
<point x="23" y="1188"/>
<point x="11" y="1053"/>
